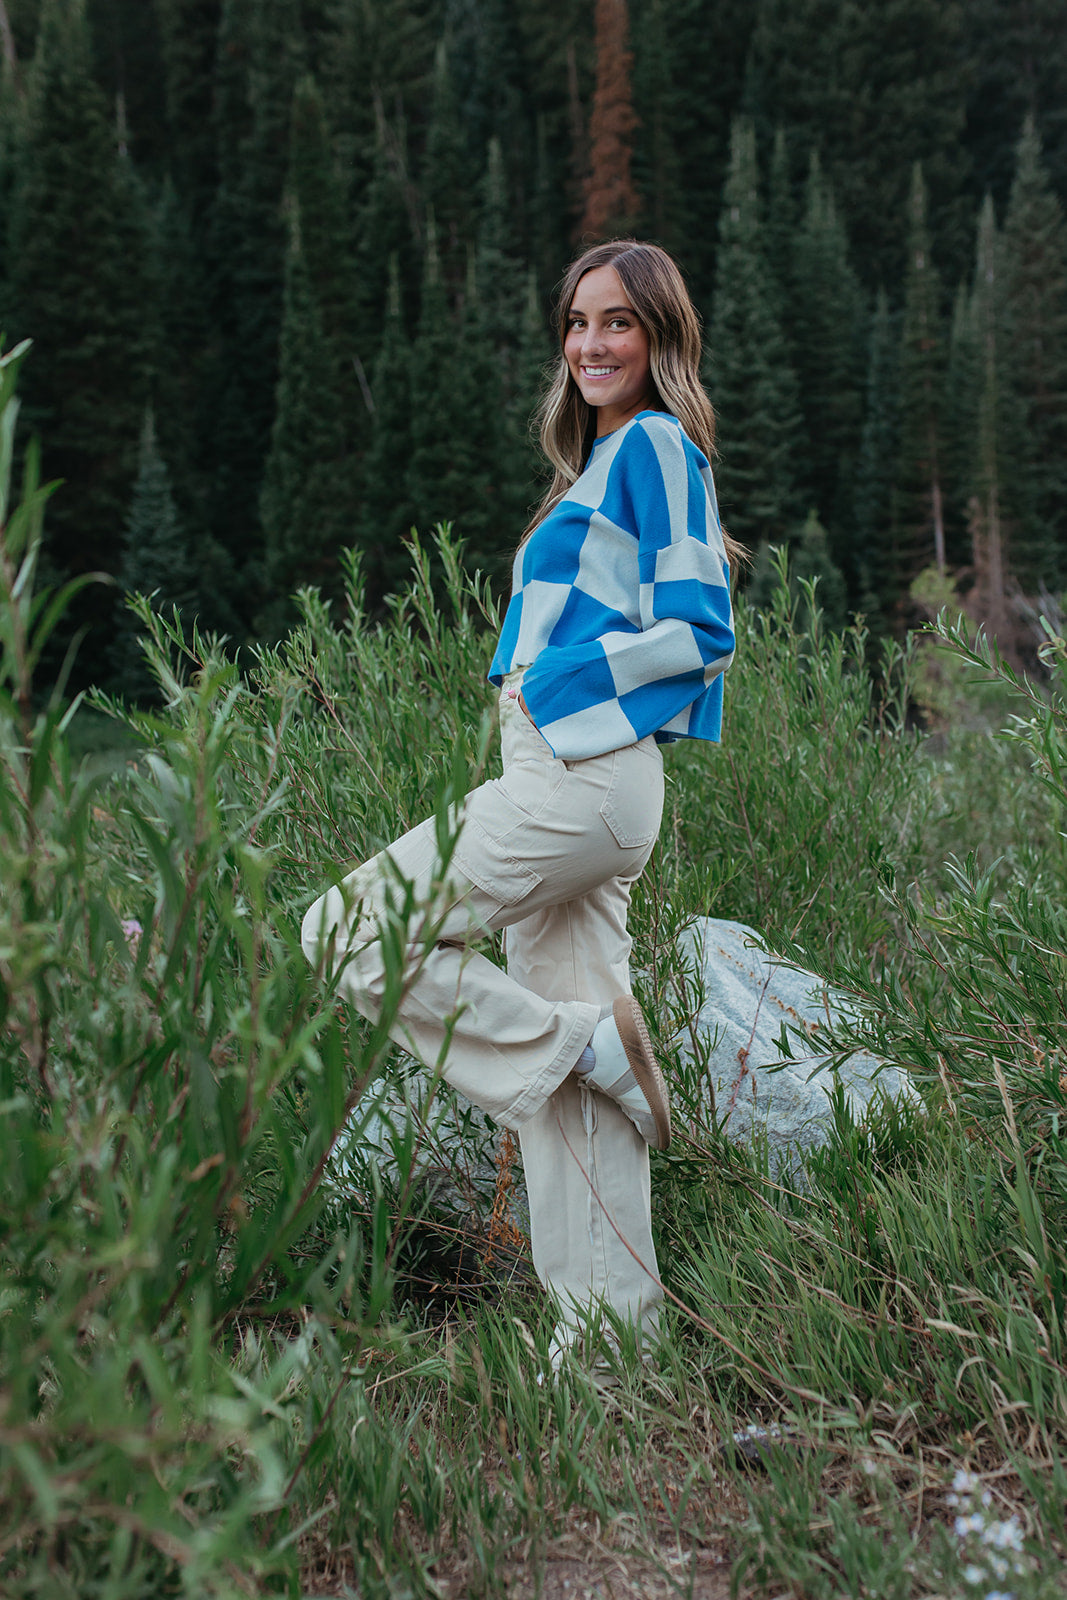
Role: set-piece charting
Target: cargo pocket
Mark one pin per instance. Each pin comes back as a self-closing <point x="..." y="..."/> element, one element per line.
<point x="486" y="851"/>
<point x="532" y="774"/>
<point x="633" y="805"/>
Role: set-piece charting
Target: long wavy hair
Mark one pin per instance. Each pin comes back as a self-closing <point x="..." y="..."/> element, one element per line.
<point x="658" y="294"/>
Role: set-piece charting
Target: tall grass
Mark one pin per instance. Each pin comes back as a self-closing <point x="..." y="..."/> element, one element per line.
<point x="237" y="1361"/>
<point x="173" y="1084"/>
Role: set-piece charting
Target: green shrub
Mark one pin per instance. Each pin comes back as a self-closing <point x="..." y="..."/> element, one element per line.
<point x="818" y="778"/>
<point x="173" y="1081"/>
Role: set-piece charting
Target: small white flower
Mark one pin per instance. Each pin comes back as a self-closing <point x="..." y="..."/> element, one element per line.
<point x="972" y="1524"/>
<point x="1004" y="1535"/>
<point x="974" y="1575"/>
<point x="964" y="1482"/>
<point x="998" y="1566"/>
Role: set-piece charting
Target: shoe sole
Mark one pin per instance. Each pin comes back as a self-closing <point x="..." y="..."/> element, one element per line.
<point x="630" y="1021"/>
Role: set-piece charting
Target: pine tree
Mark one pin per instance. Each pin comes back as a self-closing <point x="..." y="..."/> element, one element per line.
<point x="750" y="380"/>
<point x="874" y="556"/>
<point x="688" y="102"/>
<point x="367" y="56"/>
<point x="559" y="58"/>
<point x="18" y="31"/>
<point x="490" y="67"/>
<point x="456" y="463"/>
<point x="316" y="190"/>
<point x="987" y="504"/>
<point x="128" y="65"/>
<point x="508" y="320"/>
<point x="344" y="60"/>
<point x="611" y="203"/>
<point x="656" y="158"/>
<point x="304" y="511"/>
<point x="387" y="512"/>
<point x="433" y="370"/>
<point x="827" y="344"/>
<point x="814" y="560"/>
<point x="78" y="288"/>
<point x="783" y="218"/>
<point x="1015" y="53"/>
<point x="548" y="217"/>
<point x="374" y="60"/>
<point x="385" y="238"/>
<point x="1034" y="368"/>
<point x="918" y="516"/>
<point x="481" y="488"/>
<point x="308" y="504"/>
<point x="880" y="87"/>
<point x="189" y="30"/>
<point x="156" y="560"/>
<point x="11" y="137"/>
<point x="500" y="272"/>
<point x="178" y="385"/>
<point x="447" y="177"/>
<point x="259" y="56"/>
<point x="963" y="382"/>
<point x="526" y="471"/>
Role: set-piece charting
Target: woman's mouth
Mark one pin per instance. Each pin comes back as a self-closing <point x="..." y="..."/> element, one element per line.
<point x="598" y="372"/>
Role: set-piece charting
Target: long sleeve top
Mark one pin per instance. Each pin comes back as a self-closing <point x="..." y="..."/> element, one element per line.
<point x="620" y="606"/>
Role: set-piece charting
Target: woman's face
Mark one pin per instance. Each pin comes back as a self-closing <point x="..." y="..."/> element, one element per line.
<point x="606" y="349"/>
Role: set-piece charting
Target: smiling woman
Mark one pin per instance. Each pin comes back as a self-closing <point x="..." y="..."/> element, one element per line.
<point x="607" y="350"/>
<point x="621" y="304"/>
<point x="615" y="642"/>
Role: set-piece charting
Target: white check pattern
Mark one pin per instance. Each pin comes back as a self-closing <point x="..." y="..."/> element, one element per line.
<point x="620" y="606"/>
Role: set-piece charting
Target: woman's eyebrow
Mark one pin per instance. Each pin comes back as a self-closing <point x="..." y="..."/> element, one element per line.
<point x="611" y="311"/>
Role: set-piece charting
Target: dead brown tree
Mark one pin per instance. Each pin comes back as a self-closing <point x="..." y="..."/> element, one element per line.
<point x="611" y="202"/>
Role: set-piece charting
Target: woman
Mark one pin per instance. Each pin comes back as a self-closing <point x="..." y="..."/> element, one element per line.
<point x="616" y="638"/>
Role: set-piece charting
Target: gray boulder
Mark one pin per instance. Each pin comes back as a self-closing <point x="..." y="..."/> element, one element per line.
<point x="746" y="995"/>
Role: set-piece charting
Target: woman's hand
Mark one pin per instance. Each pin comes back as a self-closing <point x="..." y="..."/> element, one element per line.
<point x="516" y="694"/>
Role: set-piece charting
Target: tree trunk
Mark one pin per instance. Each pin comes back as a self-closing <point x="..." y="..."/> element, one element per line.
<point x="7" y="40"/>
<point x="610" y="198"/>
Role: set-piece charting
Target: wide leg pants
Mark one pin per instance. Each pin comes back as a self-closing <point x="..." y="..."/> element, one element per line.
<point x="548" y="851"/>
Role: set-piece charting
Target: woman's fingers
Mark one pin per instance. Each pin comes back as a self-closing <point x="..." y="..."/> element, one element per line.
<point x="516" y="694"/>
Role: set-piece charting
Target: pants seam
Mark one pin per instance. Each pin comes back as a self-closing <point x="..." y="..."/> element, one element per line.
<point x="534" y="1096"/>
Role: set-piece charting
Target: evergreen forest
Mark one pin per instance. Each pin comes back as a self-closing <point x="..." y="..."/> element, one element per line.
<point x="276" y="281"/>
<point x="288" y="267"/>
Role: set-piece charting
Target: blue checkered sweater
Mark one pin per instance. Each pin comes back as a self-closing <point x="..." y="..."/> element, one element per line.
<point x="620" y="606"/>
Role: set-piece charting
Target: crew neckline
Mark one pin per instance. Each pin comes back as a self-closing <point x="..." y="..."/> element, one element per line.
<point x="649" y="411"/>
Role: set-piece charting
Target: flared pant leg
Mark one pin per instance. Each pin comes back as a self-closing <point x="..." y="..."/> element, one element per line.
<point x="549" y="852"/>
<point x="586" y="1166"/>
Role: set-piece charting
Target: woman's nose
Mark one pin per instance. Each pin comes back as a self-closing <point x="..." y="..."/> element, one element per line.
<point x="593" y="343"/>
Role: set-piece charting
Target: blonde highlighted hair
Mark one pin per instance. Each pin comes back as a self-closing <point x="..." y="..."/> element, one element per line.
<point x="660" y="299"/>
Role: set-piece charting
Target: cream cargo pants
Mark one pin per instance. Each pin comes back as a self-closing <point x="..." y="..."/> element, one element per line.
<point x="549" y="851"/>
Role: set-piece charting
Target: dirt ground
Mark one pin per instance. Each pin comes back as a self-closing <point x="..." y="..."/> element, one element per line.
<point x="580" y="1565"/>
<point x="605" y="1575"/>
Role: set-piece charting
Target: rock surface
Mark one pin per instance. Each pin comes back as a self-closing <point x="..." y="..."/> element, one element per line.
<point x="746" y="996"/>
